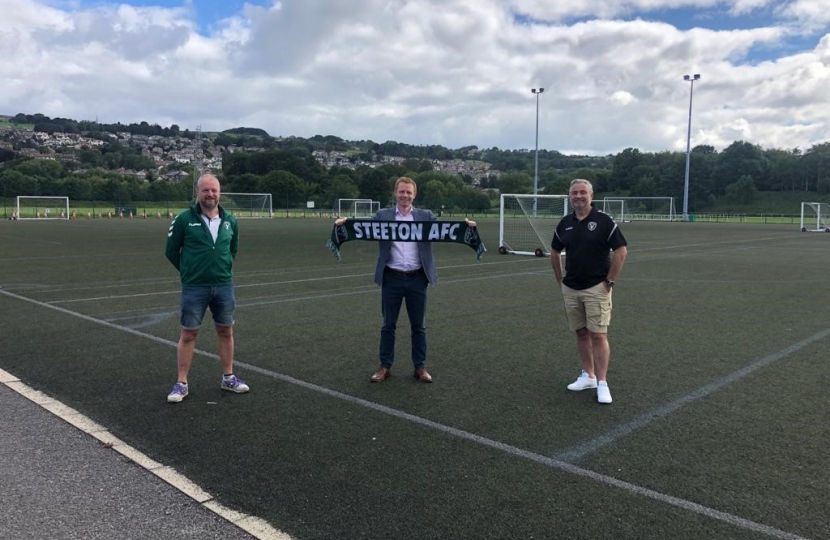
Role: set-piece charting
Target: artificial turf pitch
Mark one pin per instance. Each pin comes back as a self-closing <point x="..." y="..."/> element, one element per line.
<point x="718" y="427"/>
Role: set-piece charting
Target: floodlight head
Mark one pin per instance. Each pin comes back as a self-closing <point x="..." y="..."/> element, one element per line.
<point x="537" y="90"/>
<point x="697" y="76"/>
<point x="685" y="77"/>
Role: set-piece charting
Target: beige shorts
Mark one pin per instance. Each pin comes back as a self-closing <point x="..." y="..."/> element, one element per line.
<point x="589" y="308"/>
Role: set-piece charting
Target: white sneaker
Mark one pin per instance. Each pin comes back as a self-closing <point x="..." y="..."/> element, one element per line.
<point x="234" y="384"/>
<point x="603" y="393"/>
<point x="583" y="382"/>
<point x="178" y="393"/>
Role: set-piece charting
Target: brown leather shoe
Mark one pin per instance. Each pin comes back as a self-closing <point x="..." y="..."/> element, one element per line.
<point x="381" y="375"/>
<point x="422" y="375"/>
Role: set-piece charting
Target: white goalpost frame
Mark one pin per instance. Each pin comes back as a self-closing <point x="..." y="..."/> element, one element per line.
<point x="248" y="205"/>
<point x="356" y="208"/>
<point x="821" y="214"/>
<point x="527" y="221"/>
<point x="614" y="208"/>
<point x="640" y="208"/>
<point x="43" y="209"/>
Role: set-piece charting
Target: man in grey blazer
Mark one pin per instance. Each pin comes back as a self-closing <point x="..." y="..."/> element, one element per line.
<point x="404" y="271"/>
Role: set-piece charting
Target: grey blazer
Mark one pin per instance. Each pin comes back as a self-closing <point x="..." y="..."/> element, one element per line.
<point x="424" y="248"/>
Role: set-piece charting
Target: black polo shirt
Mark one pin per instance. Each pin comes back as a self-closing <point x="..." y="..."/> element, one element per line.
<point x="588" y="245"/>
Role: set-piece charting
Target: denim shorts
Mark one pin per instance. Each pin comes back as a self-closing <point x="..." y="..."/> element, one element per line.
<point x="196" y="300"/>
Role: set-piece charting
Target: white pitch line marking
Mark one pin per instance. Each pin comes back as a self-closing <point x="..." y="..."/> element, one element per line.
<point x="254" y="526"/>
<point x="578" y="451"/>
<point x="600" y="478"/>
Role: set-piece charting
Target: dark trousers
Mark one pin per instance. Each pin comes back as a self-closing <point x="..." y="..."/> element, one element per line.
<point x="397" y="288"/>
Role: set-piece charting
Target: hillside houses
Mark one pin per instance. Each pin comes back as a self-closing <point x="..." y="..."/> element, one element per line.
<point x="166" y="151"/>
<point x="163" y="151"/>
<point x="477" y="170"/>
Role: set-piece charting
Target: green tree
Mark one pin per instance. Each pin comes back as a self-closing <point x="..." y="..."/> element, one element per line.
<point x="341" y="187"/>
<point x="41" y="169"/>
<point x="784" y="169"/>
<point x="432" y="194"/>
<point x="375" y="184"/>
<point x="472" y="199"/>
<point x="243" y="183"/>
<point x="645" y="187"/>
<point x="160" y="191"/>
<point x="515" y="183"/>
<point x="90" y="157"/>
<point x="623" y="173"/>
<point x="112" y="160"/>
<point x="739" y="159"/>
<point x="78" y="189"/>
<point x="816" y="166"/>
<point x="743" y="191"/>
<point x="287" y="189"/>
<point x="553" y="183"/>
<point x="14" y="183"/>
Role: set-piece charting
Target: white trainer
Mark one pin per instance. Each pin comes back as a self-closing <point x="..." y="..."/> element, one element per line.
<point x="178" y="393"/>
<point x="234" y="384"/>
<point x="603" y="393"/>
<point x="583" y="382"/>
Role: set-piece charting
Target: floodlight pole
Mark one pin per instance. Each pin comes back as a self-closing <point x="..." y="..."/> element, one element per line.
<point x="691" y="80"/>
<point x="537" y="92"/>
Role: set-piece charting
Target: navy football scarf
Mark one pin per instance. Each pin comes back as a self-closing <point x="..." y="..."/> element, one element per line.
<point x="405" y="231"/>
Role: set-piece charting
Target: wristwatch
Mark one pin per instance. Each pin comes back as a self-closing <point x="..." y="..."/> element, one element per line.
<point x="610" y="283"/>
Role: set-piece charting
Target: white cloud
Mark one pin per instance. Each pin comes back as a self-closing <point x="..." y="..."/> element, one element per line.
<point x="811" y="15"/>
<point x="607" y="9"/>
<point x="420" y="71"/>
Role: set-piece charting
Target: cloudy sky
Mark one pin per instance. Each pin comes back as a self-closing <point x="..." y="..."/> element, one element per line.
<point x="448" y="72"/>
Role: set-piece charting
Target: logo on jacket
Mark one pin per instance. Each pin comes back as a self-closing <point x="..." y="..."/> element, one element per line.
<point x="227" y="225"/>
<point x="592" y="226"/>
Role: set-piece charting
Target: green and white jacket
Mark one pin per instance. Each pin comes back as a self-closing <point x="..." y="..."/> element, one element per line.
<point x="191" y="249"/>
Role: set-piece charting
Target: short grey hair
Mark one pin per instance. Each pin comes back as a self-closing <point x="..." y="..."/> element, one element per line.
<point x="583" y="181"/>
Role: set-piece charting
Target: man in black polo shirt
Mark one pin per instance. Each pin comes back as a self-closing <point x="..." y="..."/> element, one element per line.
<point x="588" y="237"/>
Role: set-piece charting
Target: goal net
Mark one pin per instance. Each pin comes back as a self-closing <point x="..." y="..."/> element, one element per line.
<point x="357" y="208"/>
<point x="28" y="207"/>
<point x="527" y="222"/>
<point x="248" y="205"/>
<point x="639" y="208"/>
<point x="815" y="217"/>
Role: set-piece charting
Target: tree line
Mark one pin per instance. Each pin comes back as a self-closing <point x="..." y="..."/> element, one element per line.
<point x="286" y="168"/>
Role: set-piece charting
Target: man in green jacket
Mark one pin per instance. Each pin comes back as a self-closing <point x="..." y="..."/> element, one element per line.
<point x="202" y="243"/>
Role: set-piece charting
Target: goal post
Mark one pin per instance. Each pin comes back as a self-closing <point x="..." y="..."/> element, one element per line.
<point x="614" y="208"/>
<point x="248" y="205"/>
<point x="357" y="208"/>
<point x="527" y="222"/>
<point x="32" y="207"/>
<point x="815" y="217"/>
<point x="640" y="208"/>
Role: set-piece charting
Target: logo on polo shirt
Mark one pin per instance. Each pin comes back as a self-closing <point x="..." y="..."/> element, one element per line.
<point x="592" y="225"/>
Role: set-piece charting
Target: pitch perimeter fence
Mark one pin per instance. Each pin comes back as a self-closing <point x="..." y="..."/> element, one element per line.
<point x="166" y="209"/>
